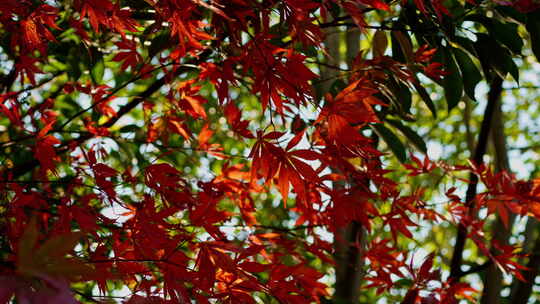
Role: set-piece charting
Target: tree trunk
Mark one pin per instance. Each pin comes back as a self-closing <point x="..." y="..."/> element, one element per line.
<point x="522" y="290"/>
<point x="329" y="70"/>
<point x="491" y="293"/>
<point x="348" y="241"/>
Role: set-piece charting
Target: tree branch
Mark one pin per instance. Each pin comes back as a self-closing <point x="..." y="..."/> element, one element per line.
<point x="493" y="278"/>
<point x="105" y="98"/>
<point x="352" y="24"/>
<point x="480" y="150"/>
<point x="523" y="290"/>
<point x="153" y="88"/>
<point x="475" y="269"/>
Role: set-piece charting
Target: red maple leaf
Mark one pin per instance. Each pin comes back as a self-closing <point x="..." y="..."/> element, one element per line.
<point x="44" y="150"/>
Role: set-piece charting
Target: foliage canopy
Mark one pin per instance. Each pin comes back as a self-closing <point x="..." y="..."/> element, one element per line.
<point x="247" y="151"/>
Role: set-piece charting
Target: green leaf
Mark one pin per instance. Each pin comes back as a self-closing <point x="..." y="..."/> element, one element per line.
<point x="337" y="86"/>
<point x="425" y="97"/>
<point x="512" y="68"/>
<point x="74" y="62"/>
<point x="393" y="142"/>
<point x="533" y="27"/>
<point x="492" y="55"/>
<point x="411" y="135"/>
<point x="98" y="70"/>
<point x="399" y="94"/>
<point x="404" y="283"/>
<point x="511" y="12"/>
<point x="159" y="42"/>
<point x="67" y="105"/>
<point x="466" y="44"/>
<point x="405" y="97"/>
<point x="469" y="71"/>
<point x="453" y="82"/>
<point x="310" y="50"/>
<point x="128" y="152"/>
<point x="129" y="128"/>
<point x="507" y="34"/>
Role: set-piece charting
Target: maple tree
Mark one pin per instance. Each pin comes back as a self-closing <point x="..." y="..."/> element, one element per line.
<point x="246" y="151"/>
